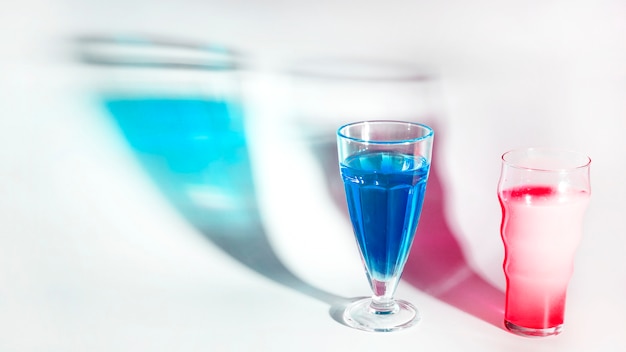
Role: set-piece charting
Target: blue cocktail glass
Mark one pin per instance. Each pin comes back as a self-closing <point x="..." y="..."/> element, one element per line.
<point x="385" y="167"/>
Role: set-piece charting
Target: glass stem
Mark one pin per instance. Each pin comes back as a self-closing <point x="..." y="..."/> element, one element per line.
<point x="382" y="299"/>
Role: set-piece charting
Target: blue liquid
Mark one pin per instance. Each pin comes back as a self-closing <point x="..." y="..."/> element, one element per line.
<point x="385" y="192"/>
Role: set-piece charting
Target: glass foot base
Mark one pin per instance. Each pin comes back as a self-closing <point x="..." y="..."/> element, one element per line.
<point x="530" y="332"/>
<point x="360" y="315"/>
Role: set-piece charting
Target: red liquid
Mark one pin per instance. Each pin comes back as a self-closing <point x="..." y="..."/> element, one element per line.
<point x="534" y="310"/>
<point x="541" y="229"/>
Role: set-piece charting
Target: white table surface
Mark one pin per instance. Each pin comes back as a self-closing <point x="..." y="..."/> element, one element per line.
<point x="94" y="258"/>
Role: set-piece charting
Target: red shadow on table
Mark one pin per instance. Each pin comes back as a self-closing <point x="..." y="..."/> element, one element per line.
<point x="436" y="264"/>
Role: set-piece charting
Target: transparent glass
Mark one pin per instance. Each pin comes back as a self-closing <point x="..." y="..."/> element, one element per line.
<point x="385" y="167"/>
<point x="544" y="194"/>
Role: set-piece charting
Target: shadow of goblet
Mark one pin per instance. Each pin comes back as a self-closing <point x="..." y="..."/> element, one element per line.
<point x="177" y="104"/>
<point x="196" y="153"/>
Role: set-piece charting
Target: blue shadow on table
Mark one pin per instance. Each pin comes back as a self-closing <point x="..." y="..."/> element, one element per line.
<point x="191" y="141"/>
<point x="195" y="150"/>
<point x="436" y="264"/>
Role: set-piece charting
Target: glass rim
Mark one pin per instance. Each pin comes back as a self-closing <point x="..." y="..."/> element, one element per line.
<point x="585" y="160"/>
<point x="430" y="132"/>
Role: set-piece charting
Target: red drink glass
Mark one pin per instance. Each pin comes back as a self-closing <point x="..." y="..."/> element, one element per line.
<point x="544" y="194"/>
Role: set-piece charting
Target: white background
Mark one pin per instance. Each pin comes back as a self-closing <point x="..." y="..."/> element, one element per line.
<point x="93" y="258"/>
